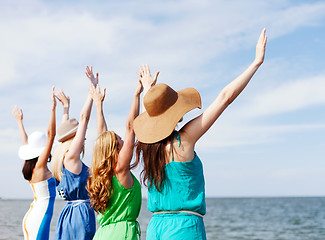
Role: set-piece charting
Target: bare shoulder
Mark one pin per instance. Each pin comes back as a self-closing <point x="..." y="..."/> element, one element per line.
<point x="183" y="148"/>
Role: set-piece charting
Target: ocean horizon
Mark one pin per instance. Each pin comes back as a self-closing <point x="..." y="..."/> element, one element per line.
<point x="230" y="218"/>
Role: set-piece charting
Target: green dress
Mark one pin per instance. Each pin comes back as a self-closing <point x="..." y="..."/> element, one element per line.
<point x="119" y="221"/>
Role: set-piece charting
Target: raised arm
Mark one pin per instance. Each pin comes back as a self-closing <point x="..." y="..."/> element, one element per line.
<point x="98" y="99"/>
<point x="198" y="126"/>
<point x="51" y="131"/>
<point x="90" y="75"/>
<point x="18" y="114"/>
<point x="65" y="100"/>
<point x="126" y="152"/>
<point x="72" y="159"/>
<point x="147" y="80"/>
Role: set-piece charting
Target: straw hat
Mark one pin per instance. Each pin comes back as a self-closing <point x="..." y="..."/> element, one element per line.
<point x="67" y="129"/>
<point x="35" y="146"/>
<point x="165" y="107"/>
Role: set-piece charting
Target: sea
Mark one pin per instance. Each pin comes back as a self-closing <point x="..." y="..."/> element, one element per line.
<point x="273" y="218"/>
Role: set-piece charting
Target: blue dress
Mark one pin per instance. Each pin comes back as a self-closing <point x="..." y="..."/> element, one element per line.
<point x="77" y="219"/>
<point x="183" y="189"/>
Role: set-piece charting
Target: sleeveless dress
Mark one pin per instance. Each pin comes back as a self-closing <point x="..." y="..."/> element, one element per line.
<point x="36" y="223"/>
<point x="119" y="221"/>
<point x="77" y="219"/>
<point x="182" y="189"/>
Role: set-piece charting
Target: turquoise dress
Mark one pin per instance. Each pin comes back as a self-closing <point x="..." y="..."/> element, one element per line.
<point x="77" y="219"/>
<point x="182" y="189"/>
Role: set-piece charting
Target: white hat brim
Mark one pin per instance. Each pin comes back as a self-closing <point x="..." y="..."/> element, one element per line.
<point x="27" y="152"/>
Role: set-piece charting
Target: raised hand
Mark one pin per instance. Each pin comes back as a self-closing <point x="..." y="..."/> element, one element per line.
<point x="260" y="48"/>
<point x="145" y="76"/>
<point x="18" y="114"/>
<point x="90" y="75"/>
<point x="65" y="100"/>
<point x="139" y="88"/>
<point x="53" y="96"/>
<point x="96" y="94"/>
<point x="98" y="98"/>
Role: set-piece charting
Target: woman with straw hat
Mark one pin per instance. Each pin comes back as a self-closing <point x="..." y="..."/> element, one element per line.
<point x="36" y="151"/>
<point x="77" y="219"/>
<point x="114" y="191"/>
<point x="172" y="169"/>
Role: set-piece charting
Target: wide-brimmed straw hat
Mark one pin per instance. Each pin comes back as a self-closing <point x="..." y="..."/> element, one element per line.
<point x="67" y="129"/>
<point x="35" y="146"/>
<point x="164" y="108"/>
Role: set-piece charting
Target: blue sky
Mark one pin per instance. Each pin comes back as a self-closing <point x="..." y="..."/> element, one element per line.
<point x="269" y="142"/>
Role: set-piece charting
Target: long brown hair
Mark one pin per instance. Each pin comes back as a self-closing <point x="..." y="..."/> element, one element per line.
<point x="99" y="183"/>
<point x="28" y="168"/>
<point x="154" y="159"/>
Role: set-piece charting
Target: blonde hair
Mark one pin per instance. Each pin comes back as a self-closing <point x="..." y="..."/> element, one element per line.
<point x="58" y="157"/>
<point x="99" y="183"/>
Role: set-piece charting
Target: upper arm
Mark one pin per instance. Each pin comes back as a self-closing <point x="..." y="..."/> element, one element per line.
<point x="126" y="152"/>
<point x="42" y="159"/>
<point x="77" y="143"/>
<point x="199" y="125"/>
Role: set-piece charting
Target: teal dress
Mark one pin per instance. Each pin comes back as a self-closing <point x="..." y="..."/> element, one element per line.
<point x="182" y="189"/>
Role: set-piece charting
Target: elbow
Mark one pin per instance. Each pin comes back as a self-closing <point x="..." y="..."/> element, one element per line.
<point x="129" y="126"/>
<point x="84" y="117"/>
<point x="51" y="133"/>
<point x="226" y="98"/>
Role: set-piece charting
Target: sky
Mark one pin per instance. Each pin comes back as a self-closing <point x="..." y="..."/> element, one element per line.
<point x="269" y="142"/>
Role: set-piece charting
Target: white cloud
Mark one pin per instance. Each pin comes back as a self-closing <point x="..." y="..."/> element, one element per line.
<point x="286" y="97"/>
<point x="44" y="44"/>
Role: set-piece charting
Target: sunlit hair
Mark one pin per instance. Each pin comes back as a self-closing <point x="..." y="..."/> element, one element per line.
<point x="154" y="161"/>
<point x="58" y="156"/>
<point x="99" y="183"/>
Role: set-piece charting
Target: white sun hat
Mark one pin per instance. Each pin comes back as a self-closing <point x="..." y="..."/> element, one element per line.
<point x="35" y="146"/>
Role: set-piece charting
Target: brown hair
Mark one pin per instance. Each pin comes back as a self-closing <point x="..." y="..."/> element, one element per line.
<point x="28" y="168"/>
<point x="154" y="159"/>
<point x="99" y="183"/>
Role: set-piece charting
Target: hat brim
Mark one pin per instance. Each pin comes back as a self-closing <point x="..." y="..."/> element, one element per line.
<point x="68" y="135"/>
<point x="27" y="152"/>
<point x="151" y="129"/>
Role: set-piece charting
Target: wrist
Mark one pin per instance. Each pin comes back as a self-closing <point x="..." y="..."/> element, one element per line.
<point x="99" y="105"/>
<point x="257" y="62"/>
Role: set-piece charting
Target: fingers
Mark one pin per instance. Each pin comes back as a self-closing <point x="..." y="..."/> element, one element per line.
<point x="147" y="70"/>
<point x="144" y="70"/>
<point x="98" y="88"/>
<point x="104" y="94"/>
<point x="262" y="38"/>
<point x="89" y="72"/>
<point x="92" y="89"/>
<point x="156" y="76"/>
<point x="15" y="109"/>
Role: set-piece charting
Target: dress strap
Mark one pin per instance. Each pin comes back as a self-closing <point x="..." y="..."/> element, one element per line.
<point x="177" y="137"/>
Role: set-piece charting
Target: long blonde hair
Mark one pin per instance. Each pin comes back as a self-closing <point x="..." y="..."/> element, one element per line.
<point x="58" y="157"/>
<point x="99" y="183"/>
